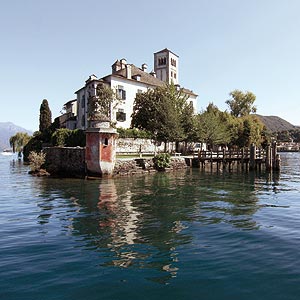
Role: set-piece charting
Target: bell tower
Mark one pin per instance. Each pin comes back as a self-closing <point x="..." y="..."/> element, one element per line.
<point x="166" y="66"/>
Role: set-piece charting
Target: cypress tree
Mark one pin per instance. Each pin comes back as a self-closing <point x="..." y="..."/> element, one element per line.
<point x="45" y="116"/>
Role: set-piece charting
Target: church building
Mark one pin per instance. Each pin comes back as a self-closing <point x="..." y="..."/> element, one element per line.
<point x="127" y="80"/>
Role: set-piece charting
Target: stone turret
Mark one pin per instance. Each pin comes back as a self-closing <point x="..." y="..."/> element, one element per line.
<point x="100" y="148"/>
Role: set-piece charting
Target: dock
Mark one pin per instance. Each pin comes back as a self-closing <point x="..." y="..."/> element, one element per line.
<point x="252" y="158"/>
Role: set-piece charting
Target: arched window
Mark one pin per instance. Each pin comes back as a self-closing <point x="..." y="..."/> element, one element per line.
<point x="105" y="142"/>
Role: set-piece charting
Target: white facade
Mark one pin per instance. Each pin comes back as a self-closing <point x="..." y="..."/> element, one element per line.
<point x="126" y="105"/>
<point x="127" y="80"/>
<point x="68" y="119"/>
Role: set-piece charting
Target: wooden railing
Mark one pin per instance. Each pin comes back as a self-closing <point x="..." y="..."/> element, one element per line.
<point x="250" y="157"/>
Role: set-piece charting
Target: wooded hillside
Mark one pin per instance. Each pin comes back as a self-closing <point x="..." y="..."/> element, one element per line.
<point x="277" y="124"/>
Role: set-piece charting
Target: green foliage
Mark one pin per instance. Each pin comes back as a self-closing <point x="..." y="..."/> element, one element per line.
<point x="213" y="126"/>
<point x="133" y="133"/>
<point x="161" y="112"/>
<point x="241" y="104"/>
<point x="99" y="106"/>
<point x="288" y="135"/>
<point x="18" y="141"/>
<point x="34" y="144"/>
<point x="249" y="130"/>
<point x="188" y="123"/>
<point x="60" y="136"/>
<point x="36" y="160"/>
<point x="162" y="161"/>
<point x="45" y="117"/>
<point x="77" y="138"/>
<point x="68" y="138"/>
<point x="284" y="136"/>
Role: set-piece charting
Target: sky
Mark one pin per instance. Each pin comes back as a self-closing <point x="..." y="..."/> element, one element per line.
<point x="49" y="48"/>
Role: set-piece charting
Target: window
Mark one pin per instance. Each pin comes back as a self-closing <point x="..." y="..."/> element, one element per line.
<point x="173" y="62"/>
<point x="162" y="61"/>
<point x="121" y="92"/>
<point x="121" y="115"/>
<point x="174" y="75"/>
<point x="82" y="101"/>
<point x="83" y="121"/>
<point x="137" y="77"/>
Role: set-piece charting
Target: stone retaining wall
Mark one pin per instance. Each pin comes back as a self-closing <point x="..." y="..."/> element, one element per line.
<point x="70" y="162"/>
<point x="145" y="166"/>
<point x="65" y="161"/>
<point x="132" y="145"/>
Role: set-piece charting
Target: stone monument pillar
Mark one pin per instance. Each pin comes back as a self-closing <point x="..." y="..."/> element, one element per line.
<point x="100" y="153"/>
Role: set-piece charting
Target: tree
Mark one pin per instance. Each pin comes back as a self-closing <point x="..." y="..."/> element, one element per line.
<point x="45" y="117"/>
<point x="188" y="122"/>
<point x="241" y="104"/>
<point x="100" y="106"/>
<point x="161" y="112"/>
<point x="64" y="137"/>
<point x="249" y="130"/>
<point x="18" y="141"/>
<point x="213" y="127"/>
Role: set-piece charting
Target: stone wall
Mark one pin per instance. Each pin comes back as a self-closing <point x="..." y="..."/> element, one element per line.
<point x="65" y="161"/>
<point x="70" y="162"/>
<point x="131" y="145"/>
<point x="144" y="166"/>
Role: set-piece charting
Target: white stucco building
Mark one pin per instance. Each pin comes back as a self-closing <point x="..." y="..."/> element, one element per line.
<point x="69" y="118"/>
<point x="127" y="80"/>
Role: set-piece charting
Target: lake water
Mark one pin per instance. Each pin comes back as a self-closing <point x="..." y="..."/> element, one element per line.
<point x="182" y="235"/>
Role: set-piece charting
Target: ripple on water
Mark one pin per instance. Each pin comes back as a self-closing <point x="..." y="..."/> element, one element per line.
<point x="170" y="236"/>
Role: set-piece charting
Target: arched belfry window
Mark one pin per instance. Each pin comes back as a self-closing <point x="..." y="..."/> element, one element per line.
<point x="162" y="61"/>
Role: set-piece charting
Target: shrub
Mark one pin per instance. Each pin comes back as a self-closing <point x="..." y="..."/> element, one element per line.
<point x="76" y="138"/>
<point x="68" y="138"/>
<point x="133" y="133"/>
<point x="60" y="136"/>
<point x="36" y="160"/>
<point x="34" y="144"/>
<point x="162" y="161"/>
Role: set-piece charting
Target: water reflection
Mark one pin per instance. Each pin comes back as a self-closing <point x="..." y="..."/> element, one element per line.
<point x="126" y="219"/>
<point x="121" y="219"/>
<point x="122" y="216"/>
<point x="143" y="222"/>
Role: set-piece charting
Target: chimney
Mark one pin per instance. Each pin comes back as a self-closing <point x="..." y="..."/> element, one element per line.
<point x="152" y="73"/>
<point x="128" y="71"/>
<point x="144" y="67"/>
<point x="92" y="77"/>
<point x="177" y="87"/>
<point x="116" y="66"/>
<point x="123" y="63"/>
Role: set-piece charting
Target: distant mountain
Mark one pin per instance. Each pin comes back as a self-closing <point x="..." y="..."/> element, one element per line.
<point x="8" y="129"/>
<point x="275" y="124"/>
